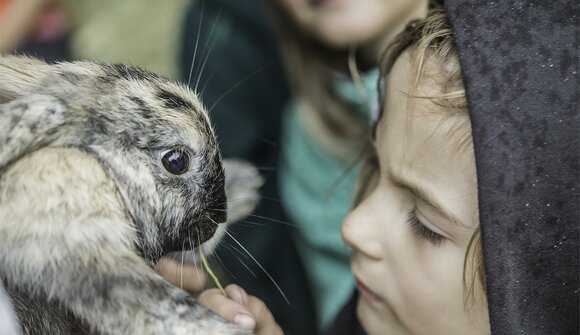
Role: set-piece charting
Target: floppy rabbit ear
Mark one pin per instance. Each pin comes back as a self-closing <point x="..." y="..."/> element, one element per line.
<point x="27" y="120"/>
<point x="29" y="123"/>
<point x="19" y="76"/>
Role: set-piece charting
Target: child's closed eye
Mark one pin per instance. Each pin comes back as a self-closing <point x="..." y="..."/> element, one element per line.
<point x="422" y="231"/>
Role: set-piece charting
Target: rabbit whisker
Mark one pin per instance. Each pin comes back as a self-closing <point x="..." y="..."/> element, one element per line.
<point x="194" y="256"/>
<point x="161" y="265"/>
<point x="246" y="266"/>
<point x="261" y="267"/>
<point x="181" y="268"/>
<point x="232" y="200"/>
<point x="248" y="77"/>
<point x="208" y="53"/>
<point x="233" y="247"/>
<point x="218" y="209"/>
<point x="267" y="141"/>
<point x="267" y="168"/>
<point x="245" y="198"/>
<point x="200" y="251"/>
<point x="271" y="199"/>
<point x="205" y="85"/>
<point x="257" y="263"/>
<point x="275" y="220"/>
<point x="223" y="265"/>
<point x="196" y="42"/>
<point x="250" y="224"/>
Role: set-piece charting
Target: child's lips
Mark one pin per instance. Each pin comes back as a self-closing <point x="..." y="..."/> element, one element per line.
<point x="320" y="3"/>
<point x="366" y="293"/>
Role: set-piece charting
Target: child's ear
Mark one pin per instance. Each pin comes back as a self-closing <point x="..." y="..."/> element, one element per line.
<point x="19" y="75"/>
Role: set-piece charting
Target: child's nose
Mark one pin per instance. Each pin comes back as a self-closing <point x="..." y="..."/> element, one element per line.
<point x="357" y="231"/>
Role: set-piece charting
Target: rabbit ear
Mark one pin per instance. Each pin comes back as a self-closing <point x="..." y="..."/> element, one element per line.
<point x="19" y="76"/>
<point x="29" y="123"/>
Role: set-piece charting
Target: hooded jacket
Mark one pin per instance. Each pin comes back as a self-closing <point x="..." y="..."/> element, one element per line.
<point x="521" y="76"/>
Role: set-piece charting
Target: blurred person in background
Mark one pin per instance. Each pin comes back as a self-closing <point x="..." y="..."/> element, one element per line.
<point x="39" y="28"/>
<point x="144" y="33"/>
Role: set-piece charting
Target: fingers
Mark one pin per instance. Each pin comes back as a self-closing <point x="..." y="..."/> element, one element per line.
<point x="191" y="277"/>
<point x="238" y="307"/>
<point x="229" y="309"/>
<point x="237" y="294"/>
<point x="265" y="323"/>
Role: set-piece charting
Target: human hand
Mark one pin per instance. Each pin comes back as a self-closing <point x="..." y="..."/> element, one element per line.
<point x="242" y="309"/>
<point x="186" y="276"/>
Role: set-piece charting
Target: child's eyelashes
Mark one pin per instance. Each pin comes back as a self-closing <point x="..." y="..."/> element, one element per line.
<point x="419" y="228"/>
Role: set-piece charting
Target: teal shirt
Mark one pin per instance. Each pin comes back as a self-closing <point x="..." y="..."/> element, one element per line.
<point x="316" y="189"/>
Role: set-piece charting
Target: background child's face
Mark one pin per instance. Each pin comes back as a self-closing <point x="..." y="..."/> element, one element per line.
<point x="339" y="23"/>
<point x="411" y="232"/>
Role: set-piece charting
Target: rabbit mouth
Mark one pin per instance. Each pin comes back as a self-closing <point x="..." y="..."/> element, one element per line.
<point x="198" y="227"/>
<point x="200" y="222"/>
<point x="205" y="228"/>
<point x="191" y="236"/>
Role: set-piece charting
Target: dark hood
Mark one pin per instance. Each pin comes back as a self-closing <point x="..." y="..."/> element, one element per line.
<point x="520" y="66"/>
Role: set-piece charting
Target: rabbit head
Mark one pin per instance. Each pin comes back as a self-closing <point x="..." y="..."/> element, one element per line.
<point x="153" y="138"/>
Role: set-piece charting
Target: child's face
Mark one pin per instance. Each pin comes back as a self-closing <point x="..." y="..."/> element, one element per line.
<point x="340" y="23"/>
<point x="411" y="232"/>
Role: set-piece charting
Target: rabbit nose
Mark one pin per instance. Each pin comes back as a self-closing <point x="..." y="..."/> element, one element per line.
<point x="218" y="208"/>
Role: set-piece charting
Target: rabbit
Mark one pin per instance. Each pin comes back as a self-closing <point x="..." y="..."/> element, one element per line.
<point x="103" y="170"/>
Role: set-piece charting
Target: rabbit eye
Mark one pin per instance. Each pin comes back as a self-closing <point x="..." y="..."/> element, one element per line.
<point x="176" y="161"/>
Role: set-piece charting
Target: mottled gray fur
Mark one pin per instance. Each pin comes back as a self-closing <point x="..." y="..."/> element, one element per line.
<point x="86" y="206"/>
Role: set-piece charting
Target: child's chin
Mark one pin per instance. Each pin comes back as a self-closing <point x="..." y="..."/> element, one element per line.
<point x="376" y="319"/>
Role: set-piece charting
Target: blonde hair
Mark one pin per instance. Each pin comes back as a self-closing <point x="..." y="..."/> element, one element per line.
<point x="432" y="39"/>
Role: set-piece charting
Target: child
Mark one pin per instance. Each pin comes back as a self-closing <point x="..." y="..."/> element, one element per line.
<point x="324" y="45"/>
<point x="415" y="233"/>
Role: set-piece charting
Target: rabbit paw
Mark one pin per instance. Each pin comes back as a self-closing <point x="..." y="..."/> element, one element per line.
<point x="242" y="188"/>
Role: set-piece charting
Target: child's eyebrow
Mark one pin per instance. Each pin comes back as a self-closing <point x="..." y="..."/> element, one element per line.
<point x="427" y="196"/>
